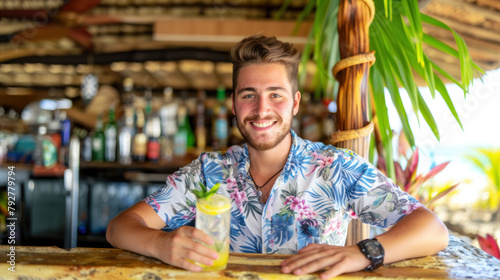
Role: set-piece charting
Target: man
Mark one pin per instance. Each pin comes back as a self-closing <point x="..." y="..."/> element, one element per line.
<point x="289" y="196"/>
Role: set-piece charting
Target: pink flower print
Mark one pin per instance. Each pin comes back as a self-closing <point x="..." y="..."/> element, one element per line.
<point x="315" y="156"/>
<point x="294" y="203"/>
<point x="231" y="183"/>
<point x="171" y="181"/>
<point x="239" y="197"/>
<point x="151" y="201"/>
<point x="191" y="209"/>
<point x="326" y="161"/>
<point x="302" y="210"/>
<point x="302" y="214"/>
<point x="412" y="207"/>
<point x="351" y="214"/>
<point x="333" y="226"/>
<point x="156" y="204"/>
<point x="312" y="215"/>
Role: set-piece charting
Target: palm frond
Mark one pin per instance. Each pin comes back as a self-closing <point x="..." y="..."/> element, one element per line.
<point x="397" y="36"/>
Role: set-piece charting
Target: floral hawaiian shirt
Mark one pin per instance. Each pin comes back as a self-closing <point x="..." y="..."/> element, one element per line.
<point x="320" y="190"/>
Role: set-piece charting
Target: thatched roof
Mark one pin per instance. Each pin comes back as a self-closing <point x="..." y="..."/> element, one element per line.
<point x="46" y="43"/>
<point x="477" y="21"/>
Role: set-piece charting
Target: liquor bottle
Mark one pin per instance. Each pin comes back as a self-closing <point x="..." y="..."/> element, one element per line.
<point x="98" y="141"/>
<point x="54" y="132"/>
<point x="200" y="125"/>
<point x="38" y="152"/>
<point x="125" y="137"/>
<point x="168" y="118"/>
<point x="127" y="129"/>
<point x="49" y="148"/>
<point x="220" y="124"/>
<point x="110" y="136"/>
<point x="128" y="92"/>
<point x="87" y="146"/>
<point x="65" y="137"/>
<point x="153" y="131"/>
<point x="190" y="132"/>
<point x="182" y="135"/>
<point x="140" y="140"/>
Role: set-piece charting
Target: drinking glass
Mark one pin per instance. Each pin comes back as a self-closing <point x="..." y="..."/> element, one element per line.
<point x="213" y="216"/>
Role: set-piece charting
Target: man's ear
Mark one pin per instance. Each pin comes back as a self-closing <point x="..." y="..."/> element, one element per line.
<point x="296" y="102"/>
<point x="232" y="98"/>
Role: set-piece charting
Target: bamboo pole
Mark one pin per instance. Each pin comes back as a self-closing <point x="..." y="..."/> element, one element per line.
<point x="352" y="72"/>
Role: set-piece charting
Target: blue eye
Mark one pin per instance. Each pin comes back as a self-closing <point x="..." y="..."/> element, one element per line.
<point x="248" y="96"/>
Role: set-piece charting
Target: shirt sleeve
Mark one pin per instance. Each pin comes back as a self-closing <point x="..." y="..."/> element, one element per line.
<point x="373" y="197"/>
<point x="174" y="202"/>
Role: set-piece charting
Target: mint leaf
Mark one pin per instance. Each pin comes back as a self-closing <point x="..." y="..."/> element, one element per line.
<point x="204" y="193"/>
<point x="199" y="194"/>
<point x="213" y="190"/>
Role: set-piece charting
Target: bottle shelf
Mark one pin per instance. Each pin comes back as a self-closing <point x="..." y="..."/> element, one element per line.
<point x="175" y="163"/>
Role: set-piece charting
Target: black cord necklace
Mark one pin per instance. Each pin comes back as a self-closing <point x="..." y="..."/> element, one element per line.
<point x="257" y="186"/>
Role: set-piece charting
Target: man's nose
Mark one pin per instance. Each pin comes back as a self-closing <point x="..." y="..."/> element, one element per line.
<point x="262" y="106"/>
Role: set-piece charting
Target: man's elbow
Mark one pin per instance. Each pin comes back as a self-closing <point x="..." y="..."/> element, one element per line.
<point x="443" y="236"/>
<point x="109" y="232"/>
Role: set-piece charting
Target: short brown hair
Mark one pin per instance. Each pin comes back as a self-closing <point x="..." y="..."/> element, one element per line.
<point x="261" y="49"/>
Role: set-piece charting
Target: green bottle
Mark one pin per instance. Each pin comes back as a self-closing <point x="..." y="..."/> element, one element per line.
<point x="98" y="141"/>
<point x="184" y="137"/>
<point x="110" y="136"/>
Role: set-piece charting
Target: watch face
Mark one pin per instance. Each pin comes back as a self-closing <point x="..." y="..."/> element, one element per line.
<point x="374" y="248"/>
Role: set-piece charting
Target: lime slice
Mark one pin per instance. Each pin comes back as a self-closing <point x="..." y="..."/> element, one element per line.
<point x="213" y="205"/>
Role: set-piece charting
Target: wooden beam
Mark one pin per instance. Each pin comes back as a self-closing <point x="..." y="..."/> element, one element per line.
<point x="472" y="31"/>
<point x="487" y="13"/>
<point x="227" y="30"/>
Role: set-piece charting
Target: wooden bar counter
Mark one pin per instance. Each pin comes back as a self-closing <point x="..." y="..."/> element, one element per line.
<point x="459" y="261"/>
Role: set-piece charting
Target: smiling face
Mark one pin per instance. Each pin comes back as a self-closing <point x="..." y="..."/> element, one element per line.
<point x="264" y="104"/>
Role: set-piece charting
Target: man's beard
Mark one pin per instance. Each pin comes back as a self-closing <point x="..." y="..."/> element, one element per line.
<point x="279" y="135"/>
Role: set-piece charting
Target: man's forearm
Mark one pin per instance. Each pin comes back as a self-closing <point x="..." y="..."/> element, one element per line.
<point x="421" y="233"/>
<point x="127" y="232"/>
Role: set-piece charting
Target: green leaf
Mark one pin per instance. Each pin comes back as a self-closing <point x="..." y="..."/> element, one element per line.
<point x="412" y="13"/>
<point x="199" y="194"/>
<point x="203" y="187"/>
<point x="213" y="190"/>
<point x="429" y="76"/>
<point x="283" y="9"/>
<point x="377" y="86"/>
<point x="435" y="43"/>
<point x="441" y="88"/>
<point x="441" y="194"/>
<point x="426" y="113"/>
<point x="204" y="193"/>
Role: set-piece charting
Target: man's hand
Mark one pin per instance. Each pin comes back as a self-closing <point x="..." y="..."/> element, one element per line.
<point x="335" y="259"/>
<point x="180" y="247"/>
<point x="138" y="229"/>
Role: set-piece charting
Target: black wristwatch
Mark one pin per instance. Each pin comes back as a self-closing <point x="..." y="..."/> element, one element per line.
<point x="373" y="251"/>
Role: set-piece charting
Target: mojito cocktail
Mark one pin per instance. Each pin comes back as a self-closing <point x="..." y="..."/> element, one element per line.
<point x="213" y="216"/>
